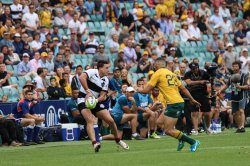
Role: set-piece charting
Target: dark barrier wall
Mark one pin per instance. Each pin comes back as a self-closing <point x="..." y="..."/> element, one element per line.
<point x="51" y="110"/>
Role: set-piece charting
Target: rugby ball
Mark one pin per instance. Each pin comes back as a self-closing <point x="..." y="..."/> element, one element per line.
<point x="91" y="102"/>
<point x="235" y="78"/>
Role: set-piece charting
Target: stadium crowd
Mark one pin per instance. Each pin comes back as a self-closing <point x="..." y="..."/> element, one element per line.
<point x="47" y="45"/>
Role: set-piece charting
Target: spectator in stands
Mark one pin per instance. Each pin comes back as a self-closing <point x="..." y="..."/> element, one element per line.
<point x="45" y="15"/>
<point x="160" y="48"/>
<point x="40" y="86"/>
<point x="69" y="15"/>
<point x="59" y="61"/>
<point x="16" y="10"/>
<point x="43" y="61"/>
<point x="144" y="64"/>
<point x="36" y="44"/>
<point x="114" y="31"/>
<point x="213" y="44"/>
<point x="4" y="50"/>
<point x="137" y="12"/>
<point x="4" y="76"/>
<point x="240" y="36"/>
<point x="100" y="55"/>
<point x="31" y="20"/>
<point x="4" y="99"/>
<point x="224" y="26"/>
<point x="125" y="76"/>
<point x="1" y="58"/>
<point x="51" y="65"/>
<point x="74" y="45"/>
<point x="127" y="19"/>
<point x="34" y="63"/>
<point x="55" y="32"/>
<point x="194" y="31"/>
<point x="224" y="11"/>
<point x="8" y="27"/>
<point x="81" y="9"/>
<point x="160" y="8"/>
<point x="245" y="60"/>
<point x="6" y="40"/>
<point x="91" y="44"/>
<point x="185" y="34"/>
<point x="110" y="12"/>
<point x="44" y="47"/>
<point x="130" y="55"/>
<point x="113" y="44"/>
<point x="83" y="26"/>
<point x="13" y="57"/>
<point x="24" y="67"/>
<point x="75" y="83"/>
<point x="163" y="23"/>
<point x="204" y="10"/>
<point x="203" y="24"/>
<point x="116" y="80"/>
<point x="5" y="15"/>
<point x="215" y="18"/>
<point x="54" y="91"/>
<point x="67" y="85"/>
<point x="59" y="19"/>
<point x="229" y="57"/>
<point x="18" y="44"/>
<point x="90" y="5"/>
<point x="74" y="24"/>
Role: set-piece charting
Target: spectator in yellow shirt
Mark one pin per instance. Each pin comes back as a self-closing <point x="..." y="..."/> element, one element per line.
<point x="170" y="4"/>
<point x="45" y="14"/>
<point x="161" y="8"/>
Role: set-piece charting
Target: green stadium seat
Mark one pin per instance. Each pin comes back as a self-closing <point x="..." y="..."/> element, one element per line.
<point x="14" y="70"/>
<point x="6" y="90"/>
<point x="93" y="17"/>
<point x="9" y="67"/>
<point x="99" y="17"/>
<point x="133" y="69"/>
<point x="13" y="80"/>
<point x="7" y="2"/>
<point x="27" y="78"/>
<point x="14" y="95"/>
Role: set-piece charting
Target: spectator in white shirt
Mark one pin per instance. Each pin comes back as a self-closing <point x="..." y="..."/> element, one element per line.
<point x="224" y="11"/>
<point x="204" y="10"/>
<point x="184" y="33"/>
<point x="115" y="30"/>
<point x="36" y="44"/>
<point x="113" y="44"/>
<point x="245" y="59"/>
<point x="74" y="24"/>
<point x="194" y="30"/>
<point x="83" y="25"/>
<point x="40" y="87"/>
<point x="34" y="63"/>
<point x="225" y="26"/>
<point x="16" y="10"/>
<point x="31" y="20"/>
<point x="215" y="18"/>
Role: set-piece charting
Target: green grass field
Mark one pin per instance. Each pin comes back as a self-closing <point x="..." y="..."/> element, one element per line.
<point x="227" y="148"/>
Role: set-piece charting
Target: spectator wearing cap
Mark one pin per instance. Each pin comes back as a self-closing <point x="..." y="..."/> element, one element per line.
<point x="245" y="59"/>
<point x="229" y="57"/>
<point x="43" y="62"/>
<point x="56" y="44"/>
<point x="115" y="30"/>
<point x="34" y="63"/>
<point x="213" y="44"/>
<point x="6" y="40"/>
<point x="31" y="20"/>
<point x="91" y="44"/>
<point x="100" y="55"/>
<point x="194" y="30"/>
<point x="224" y="26"/>
<point x="24" y="67"/>
<point x="45" y="14"/>
<point x="127" y="19"/>
<point x="74" y="24"/>
<point x="110" y="12"/>
<point x="116" y="80"/>
<point x="18" y="44"/>
<point x="184" y="33"/>
<point x="36" y="44"/>
<point x="130" y="55"/>
<point x="41" y="75"/>
<point x="5" y="15"/>
<point x="144" y="64"/>
<point x="240" y="36"/>
<point x="7" y="27"/>
<point x="65" y="42"/>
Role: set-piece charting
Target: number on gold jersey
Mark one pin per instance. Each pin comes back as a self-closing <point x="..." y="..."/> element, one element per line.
<point x="170" y="80"/>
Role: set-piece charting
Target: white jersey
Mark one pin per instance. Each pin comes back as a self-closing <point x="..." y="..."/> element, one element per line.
<point x="96" y="84"/>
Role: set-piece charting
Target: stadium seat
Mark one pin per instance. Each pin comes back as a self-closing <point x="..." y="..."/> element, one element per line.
<point x="14" y="70"/>
<point x="9" y="67"/>
<point x="93" y="17"/>
<point x="14" y="95"/>
<point x="133" y="69"/>
<point x="6" y="90"/>
<point x="13" y="80"/>
<point x="7" y="2"/>
<point x="99" y="17"/>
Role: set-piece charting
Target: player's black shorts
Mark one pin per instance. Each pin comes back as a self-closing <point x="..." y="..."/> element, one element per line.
<point x="203" y="100"/>
<point x="99" y="107"/>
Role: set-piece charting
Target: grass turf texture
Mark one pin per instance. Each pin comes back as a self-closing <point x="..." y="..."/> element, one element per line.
<point x="227" y="148"/>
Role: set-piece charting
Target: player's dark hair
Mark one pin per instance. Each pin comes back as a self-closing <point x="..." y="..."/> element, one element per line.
<point x="101" y="63"/>
<point x="39" y="71"/>
<point x="237" y="63"/>
<point x="161" y="60"/>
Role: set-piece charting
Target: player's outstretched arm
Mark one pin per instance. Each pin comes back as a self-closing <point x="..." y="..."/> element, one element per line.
<point x="146" y="89"/>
